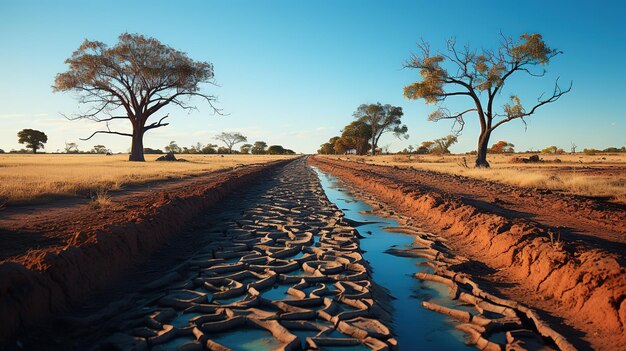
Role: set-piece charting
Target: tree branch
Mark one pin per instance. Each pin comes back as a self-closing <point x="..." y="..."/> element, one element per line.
<point x="108" y="131"/>
<point x="156" y="124"/>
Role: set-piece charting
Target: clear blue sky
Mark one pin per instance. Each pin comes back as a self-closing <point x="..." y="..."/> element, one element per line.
<point x="293" y="72"/>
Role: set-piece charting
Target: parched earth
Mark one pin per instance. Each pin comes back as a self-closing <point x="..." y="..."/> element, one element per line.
<point x="562" y="254"/>
<point x="272" y="267"/>
<point x="259" y="257"/>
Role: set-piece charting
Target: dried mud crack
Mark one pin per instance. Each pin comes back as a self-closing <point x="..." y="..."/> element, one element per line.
<point x="274" y="266"/>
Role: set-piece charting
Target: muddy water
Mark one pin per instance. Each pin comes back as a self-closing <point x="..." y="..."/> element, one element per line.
<point x="415" y="327"/>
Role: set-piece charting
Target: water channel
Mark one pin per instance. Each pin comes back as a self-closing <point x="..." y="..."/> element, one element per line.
<point x="416" y="328"/>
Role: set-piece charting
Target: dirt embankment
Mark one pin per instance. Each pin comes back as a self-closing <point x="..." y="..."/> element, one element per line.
<point x="586" y="286"/>
<point x="84" y="249"/>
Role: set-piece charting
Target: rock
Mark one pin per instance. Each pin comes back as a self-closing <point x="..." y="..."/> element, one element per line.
<point x="167" y="157"/>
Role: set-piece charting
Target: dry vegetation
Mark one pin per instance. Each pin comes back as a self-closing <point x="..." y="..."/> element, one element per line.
<point x="26" y="179"/>
<point x="589" y="175"/>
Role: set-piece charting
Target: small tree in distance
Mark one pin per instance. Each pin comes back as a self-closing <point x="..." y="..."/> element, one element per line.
<point x="173" y="148"/>
<point x="502" y="147"/>
<point x="34" y="139"/>
<point x="231" y="139"/>
<point x="480" y="76"/>
<point x="442" y="145"/>
<point x="100" y="149"/>
<point x="381" y="119"/>
<point x="71" y="148"/>
<point x="245" y="148"/>
<point x="259" y="148"/>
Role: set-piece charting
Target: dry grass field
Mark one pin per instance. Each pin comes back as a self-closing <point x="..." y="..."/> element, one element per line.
<point x="29" y="179"/>
<point x="602" y="175"/>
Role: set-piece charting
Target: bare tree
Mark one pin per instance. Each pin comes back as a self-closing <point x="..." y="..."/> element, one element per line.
<point x="481" y="76"/>
<point x="382" y="119"/>
<point x="231" y="139"/>
<point x="573" y="148"/>
<point x="132" y="80"/>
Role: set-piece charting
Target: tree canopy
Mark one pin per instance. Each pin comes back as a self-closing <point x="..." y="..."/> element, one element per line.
<point x="381" y="119"/>
<point x="259" y="148"/>
<point x="480" y="76"/>
<point x="33" y="139"/>
<point x="231" y="139"/>
<point x="133" y="80"/>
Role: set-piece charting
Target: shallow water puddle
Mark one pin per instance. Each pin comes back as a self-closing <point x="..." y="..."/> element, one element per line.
<point x="415" y="327"/>
<point x="247" y="339"/>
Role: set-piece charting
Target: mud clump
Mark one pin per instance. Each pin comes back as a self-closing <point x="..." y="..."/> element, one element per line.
<point x="169" y="157"/>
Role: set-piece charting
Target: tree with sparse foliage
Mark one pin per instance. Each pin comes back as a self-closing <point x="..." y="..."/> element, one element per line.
<point x="34" y="139"/>
<point x="71" y="148"/>
<point x="381" y="119"/>
<point x="259" y="148"/>
<point x="100" y="149"/>
<point x="442" y="145"/>
<point x="502" y="147"/>
<point x="133" y="80"/>
<point x="231" y="139"/>
<point x="173" y="148"/>
<point x="481" y="76"/>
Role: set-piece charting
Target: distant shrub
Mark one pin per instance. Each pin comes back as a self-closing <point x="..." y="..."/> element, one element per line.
<point x="590" y="151"/>
<point x="550" y="150"/>
<point x="148" y="150"/>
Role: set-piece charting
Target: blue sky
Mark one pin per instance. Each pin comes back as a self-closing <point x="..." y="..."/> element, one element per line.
<point x="293" y="72"/>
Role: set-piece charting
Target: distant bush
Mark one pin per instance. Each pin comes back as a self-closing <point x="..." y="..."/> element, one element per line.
<point x="1" y="151"/>
<point x="552" y="150"/>
<point x="590" y="151"/>
<point x="148" y="150"/>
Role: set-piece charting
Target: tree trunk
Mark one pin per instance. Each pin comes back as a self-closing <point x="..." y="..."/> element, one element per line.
<point x="136" y="149"/>
<point x="34" y="150"/>
<point x="483" y="143"/>
<point x="373" y="147"/>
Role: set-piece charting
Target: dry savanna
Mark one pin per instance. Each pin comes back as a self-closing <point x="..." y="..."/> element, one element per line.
<point x="599" y="176"/>
<point x="32" y="179"/>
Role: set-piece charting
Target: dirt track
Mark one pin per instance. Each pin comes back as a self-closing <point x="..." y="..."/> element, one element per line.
<point x="579" y="282"/>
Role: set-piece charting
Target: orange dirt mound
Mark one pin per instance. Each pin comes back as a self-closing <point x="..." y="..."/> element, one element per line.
<point x="585" y="286"/>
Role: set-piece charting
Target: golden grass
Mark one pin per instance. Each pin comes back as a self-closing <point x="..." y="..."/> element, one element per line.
<point x="27" y="179"/>
<point x="597" y="175"/>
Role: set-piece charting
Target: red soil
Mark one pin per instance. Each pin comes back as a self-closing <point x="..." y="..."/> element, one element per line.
<point x="579" y="280"/>
<point x="55" y="254"/>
